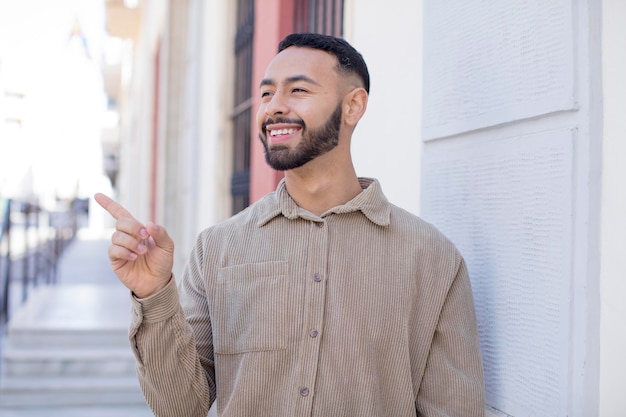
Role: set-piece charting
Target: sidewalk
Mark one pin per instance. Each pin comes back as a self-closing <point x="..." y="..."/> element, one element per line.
<point x="86" y="260"/>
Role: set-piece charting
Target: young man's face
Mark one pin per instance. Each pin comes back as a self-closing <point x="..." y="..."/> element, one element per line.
<point x="300" y="113"/>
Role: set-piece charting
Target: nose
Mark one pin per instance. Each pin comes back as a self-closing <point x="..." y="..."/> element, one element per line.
<point x="276" y="105"/>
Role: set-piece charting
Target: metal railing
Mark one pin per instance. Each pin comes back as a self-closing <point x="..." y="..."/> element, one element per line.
<point x="31" y="241"/>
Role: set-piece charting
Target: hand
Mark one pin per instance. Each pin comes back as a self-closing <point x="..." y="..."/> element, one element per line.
<point x="141" y="255"/>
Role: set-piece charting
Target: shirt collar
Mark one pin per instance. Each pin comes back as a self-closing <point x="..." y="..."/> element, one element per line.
<point x="371" y="202"/>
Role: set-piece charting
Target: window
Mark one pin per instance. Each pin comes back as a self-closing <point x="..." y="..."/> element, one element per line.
<point x="242" y="113"/>
<point x="319" y="16"/>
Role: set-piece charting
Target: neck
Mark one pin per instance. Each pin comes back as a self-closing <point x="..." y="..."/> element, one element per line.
<point x="318" y="187"/>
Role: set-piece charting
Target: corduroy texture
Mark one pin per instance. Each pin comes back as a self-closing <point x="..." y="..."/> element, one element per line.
<point x="364" y="311"/>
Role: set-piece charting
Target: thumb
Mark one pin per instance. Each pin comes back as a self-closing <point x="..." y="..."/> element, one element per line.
<point x="160" y="237"/>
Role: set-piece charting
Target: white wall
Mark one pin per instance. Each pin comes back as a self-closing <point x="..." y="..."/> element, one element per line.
<point x="215" y="147"/>
<point x="613" y="236"/>
<point x="203" y="193"/>
<point x="136" y="111"/>
<point x="387" y="142"/>
<point x="511" y="152"/>
<point x="194" y="185"/>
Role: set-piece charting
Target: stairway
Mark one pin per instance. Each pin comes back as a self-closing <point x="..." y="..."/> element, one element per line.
<point x="66" y="351"/>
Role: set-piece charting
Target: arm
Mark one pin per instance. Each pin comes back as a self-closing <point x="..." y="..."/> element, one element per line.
<point x="452" y="384"/>
<point x="171" y="377"/>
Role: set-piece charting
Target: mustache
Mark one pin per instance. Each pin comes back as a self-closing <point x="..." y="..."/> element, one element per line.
<point x="282" y="120"/>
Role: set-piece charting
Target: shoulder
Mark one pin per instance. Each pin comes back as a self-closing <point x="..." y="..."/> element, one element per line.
<point x="420" y="233"/>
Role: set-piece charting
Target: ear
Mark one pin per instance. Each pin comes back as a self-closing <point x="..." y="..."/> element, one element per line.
<point x="354" y="105"/>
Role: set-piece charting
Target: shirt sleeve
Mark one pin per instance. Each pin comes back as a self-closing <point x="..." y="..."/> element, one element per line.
<point x="452" y="384"/>
<point x="171" y="375"/>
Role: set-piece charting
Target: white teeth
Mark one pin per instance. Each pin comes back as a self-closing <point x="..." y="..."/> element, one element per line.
<point x="282" y="132"/>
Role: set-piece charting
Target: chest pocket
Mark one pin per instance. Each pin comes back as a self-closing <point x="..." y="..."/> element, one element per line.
<point x="251" y="308"/>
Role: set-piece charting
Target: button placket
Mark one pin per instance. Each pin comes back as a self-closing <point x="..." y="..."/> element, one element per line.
<point x="314" y="302"/>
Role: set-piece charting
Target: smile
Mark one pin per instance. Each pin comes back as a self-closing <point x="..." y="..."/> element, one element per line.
<point x="280" y="132"/>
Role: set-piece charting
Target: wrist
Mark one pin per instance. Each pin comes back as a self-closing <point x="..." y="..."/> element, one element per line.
<point x="147" y="293"/>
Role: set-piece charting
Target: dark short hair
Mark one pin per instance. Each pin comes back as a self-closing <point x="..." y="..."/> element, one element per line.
<point x="349" y="59"/>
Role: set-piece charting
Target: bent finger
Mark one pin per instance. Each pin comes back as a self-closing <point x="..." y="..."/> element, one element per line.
<point x="120" y="253"/>
<point x="132" y="227"/>
<point x="160" y="236"/>
<point x="128" y="242"/>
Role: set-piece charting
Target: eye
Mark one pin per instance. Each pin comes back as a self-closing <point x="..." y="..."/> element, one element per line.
<point x="265" y="94"/>
<point x="298" y="90"/>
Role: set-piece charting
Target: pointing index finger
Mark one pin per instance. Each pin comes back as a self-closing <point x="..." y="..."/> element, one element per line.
<point x="114" y="208"/>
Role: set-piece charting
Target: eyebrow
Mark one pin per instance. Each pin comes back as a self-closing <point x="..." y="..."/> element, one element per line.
<point x="290" y="80"/>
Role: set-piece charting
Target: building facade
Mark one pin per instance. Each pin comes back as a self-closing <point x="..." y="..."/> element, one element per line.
<point x="500" y="123"/>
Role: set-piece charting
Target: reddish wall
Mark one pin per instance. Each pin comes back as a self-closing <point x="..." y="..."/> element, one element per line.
<point x="273" y="21"/>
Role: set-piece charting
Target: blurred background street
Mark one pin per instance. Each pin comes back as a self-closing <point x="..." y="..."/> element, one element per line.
<point x="64" y="315"/>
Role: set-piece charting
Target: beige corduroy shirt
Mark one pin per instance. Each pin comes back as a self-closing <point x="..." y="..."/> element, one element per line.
<point x="365" y="311"/>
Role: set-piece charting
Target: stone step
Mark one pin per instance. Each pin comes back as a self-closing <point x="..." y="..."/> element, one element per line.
<point x="20" y="362"/>
<point x="72" y="316"/>
<point x="79" y="411"/>
<point x="46" y="338"/>
<point x="35" y="392"/>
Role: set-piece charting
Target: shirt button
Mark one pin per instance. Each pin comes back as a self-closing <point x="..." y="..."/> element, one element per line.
<point x="304" y="392"/>
<point x="319" y="224"/>
<point x="317" y="277"/>
<point x="314" y="333"/>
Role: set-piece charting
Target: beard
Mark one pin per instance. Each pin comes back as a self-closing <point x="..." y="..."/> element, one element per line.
<point x="314" y="143"/>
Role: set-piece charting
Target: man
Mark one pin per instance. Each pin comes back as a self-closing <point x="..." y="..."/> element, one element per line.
<point x="321" y="299"/>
